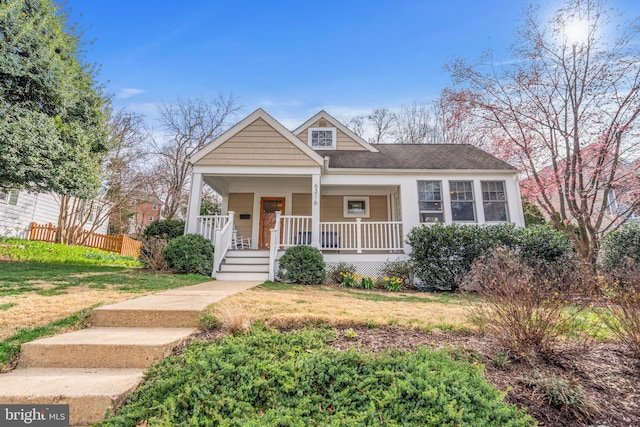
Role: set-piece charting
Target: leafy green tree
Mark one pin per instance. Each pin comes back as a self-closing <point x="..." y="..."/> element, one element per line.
<point x="53" y="133"/>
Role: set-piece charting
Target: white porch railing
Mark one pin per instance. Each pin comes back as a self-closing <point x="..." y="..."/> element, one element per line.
<point x="219" y="230"/>
<point x="207" y="224"/>
<point x="356" y="235"/>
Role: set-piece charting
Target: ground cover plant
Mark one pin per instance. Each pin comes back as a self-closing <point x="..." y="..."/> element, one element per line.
<point x="269" y="378"/>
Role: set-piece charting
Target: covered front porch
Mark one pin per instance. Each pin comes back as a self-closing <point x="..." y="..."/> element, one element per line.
<point x="272" y="213"/>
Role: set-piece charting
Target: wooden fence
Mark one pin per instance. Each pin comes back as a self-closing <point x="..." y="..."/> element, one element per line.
<point x="120" y="244"/>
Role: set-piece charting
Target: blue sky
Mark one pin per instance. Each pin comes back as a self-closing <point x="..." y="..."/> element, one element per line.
<point x="291" y="58"/>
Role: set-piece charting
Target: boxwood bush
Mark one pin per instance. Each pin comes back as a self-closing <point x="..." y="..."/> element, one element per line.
<point x="190" y="253"/>
<point x="164" y="229"/>
<point x="443" y="254"/>
<point x="302" y="264"/>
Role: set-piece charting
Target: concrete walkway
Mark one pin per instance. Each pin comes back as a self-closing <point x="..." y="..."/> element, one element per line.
<point x="94" y="369"/>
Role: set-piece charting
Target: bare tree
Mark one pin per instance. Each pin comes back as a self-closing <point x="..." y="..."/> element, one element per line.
<point x="121" y="178"/>
<point x="565" y="108"/>
<point x="188" y="125"/>
<point x="412" y="124"/>
<point x="356" y="124"/>
<point x="382" y="120"/>
<point x="453" y="122"/>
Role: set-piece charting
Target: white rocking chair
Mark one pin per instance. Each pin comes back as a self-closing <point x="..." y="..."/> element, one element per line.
<point x="240" y="242"/>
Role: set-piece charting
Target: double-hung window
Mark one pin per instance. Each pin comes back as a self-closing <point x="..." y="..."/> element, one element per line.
<point x="462" y="203"/>
<point x="322" y="138"/>
<point x="494" y="200"/>
<point x="9" y="197"/>
<point x="430" y="201"/>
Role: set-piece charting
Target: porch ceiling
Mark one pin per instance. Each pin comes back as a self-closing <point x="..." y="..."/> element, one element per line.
<point x="225" y="184"/>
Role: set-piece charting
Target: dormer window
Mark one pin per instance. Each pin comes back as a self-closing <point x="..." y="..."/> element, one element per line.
<point x="322" y="138"/>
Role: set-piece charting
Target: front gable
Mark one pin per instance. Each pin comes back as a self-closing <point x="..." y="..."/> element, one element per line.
<point x="258" y="140"/>
<point x="345" y="139"/>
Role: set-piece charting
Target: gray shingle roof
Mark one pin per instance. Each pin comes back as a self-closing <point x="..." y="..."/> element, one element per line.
<point x="417" y="156"/>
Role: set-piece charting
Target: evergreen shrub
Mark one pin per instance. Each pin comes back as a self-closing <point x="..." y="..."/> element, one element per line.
<point x="302" y="264"/>
<point x="190" y="253"/>
<point x="620" y="248"/>
<point x="443" y="254"/>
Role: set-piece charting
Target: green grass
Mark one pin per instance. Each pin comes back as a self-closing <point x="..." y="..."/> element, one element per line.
<point x="268" y="378"/>
<point x="20" y="277"/>
<point x="10" y="347"/>
<point x="7" y="306"/>
<point x="29" y="250"/>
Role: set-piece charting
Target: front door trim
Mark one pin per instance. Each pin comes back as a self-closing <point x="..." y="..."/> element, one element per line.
<point x="267" y="220"/>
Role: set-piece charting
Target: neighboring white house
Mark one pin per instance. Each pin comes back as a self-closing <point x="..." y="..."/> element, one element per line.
<point x="18" y="209"/>
<point x="322" y="185"/>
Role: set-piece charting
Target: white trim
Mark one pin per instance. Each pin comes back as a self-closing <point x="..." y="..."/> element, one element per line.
<point x="242" y="124"/>
<point x="345" y="205"/>
<point x="267" y="171"/>
<point x="324" y="115"/>
<point x="322" y="147"/>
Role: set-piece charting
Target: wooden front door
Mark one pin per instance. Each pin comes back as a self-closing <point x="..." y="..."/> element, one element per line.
<point x="268" y="208"/>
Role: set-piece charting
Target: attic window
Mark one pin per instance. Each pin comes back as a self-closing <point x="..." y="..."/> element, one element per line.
<point x="322" y="138"/>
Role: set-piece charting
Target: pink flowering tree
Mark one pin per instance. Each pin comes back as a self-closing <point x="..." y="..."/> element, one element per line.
<point x="565" y="109"/>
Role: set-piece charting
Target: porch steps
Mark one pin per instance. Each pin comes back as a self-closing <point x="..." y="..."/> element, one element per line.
<point x="244" y="265"/>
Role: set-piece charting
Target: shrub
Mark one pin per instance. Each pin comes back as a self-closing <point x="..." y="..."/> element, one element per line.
<point x="303" y="265"/>
<point x="402" y="270"/>
<point x="151" y="253"/>
<point x="567" y="396"/>
<point x="621" y="247"/>
<point x="526" y="306"/>
<point x="334" y="273"/>
<point x="190" y="253"/>
<point x="622" y="310"/>
<point x="443" y="254"/>
<point x="268" y="378"/>
<point x="167" y="229"/>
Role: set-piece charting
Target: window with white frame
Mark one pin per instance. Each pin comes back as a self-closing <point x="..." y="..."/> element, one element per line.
<point x="462" y="203"/>
<point x="356" y="207"/>
<point x="322" y="138"/>
<point x="150" y="218"/>
<point x="9" y="197"/>
<point x="430" y="201"/>
<point x="155" y="207"/>
<point x="494" y="201"/>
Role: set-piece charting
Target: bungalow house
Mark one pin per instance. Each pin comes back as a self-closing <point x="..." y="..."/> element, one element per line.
<point x="324" y="186"/>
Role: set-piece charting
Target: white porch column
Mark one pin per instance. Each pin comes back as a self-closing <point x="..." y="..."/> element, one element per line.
<point x="315" y="211"/>
<point x="195" y="200"/>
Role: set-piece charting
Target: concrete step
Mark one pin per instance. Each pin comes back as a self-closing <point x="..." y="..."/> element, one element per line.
<point x="242" y="276"/>
<point x="88" y="392"/>
<point x="103" y="348"/>
<point x="175" y="308"/>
